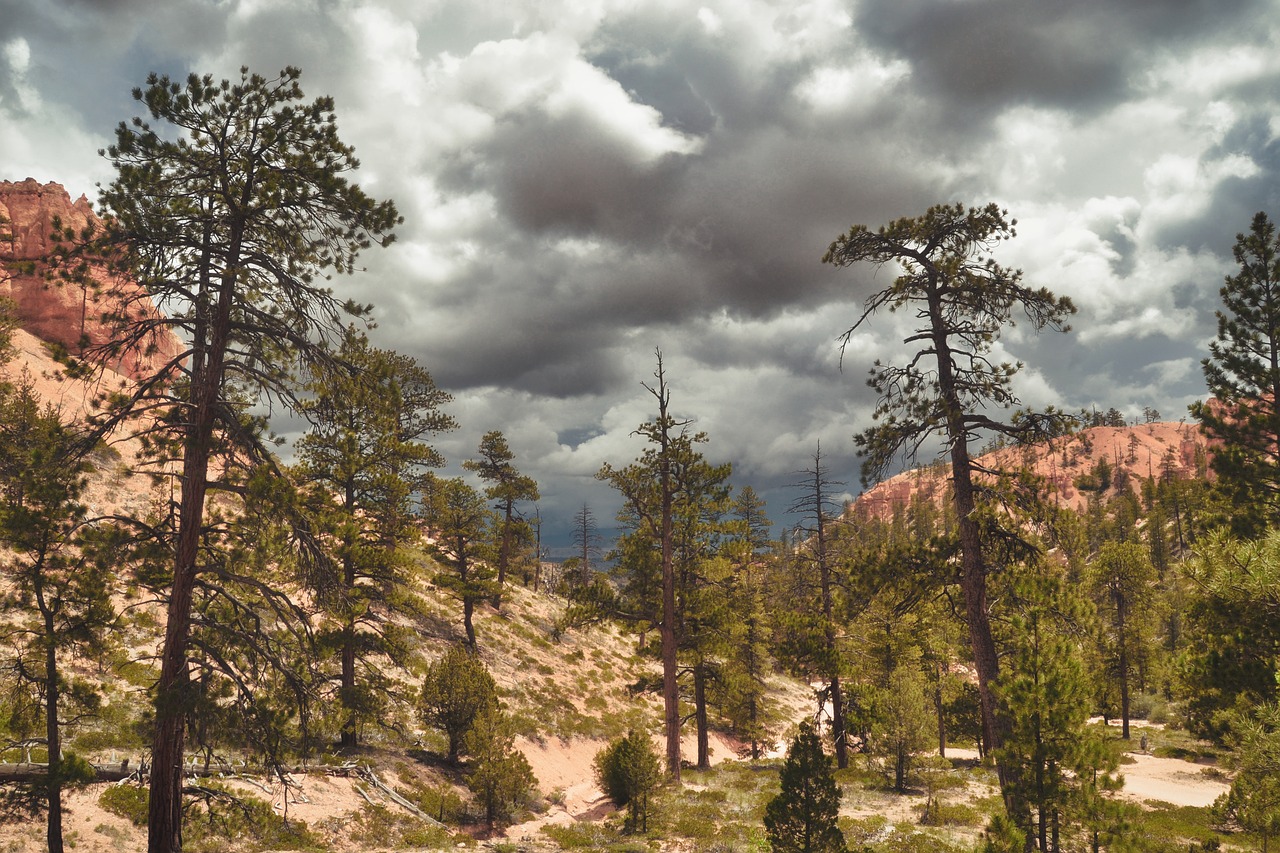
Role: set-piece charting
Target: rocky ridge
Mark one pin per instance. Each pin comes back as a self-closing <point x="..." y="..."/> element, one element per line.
<point x="63" y="314"/>
<point x="1070" y="466"/>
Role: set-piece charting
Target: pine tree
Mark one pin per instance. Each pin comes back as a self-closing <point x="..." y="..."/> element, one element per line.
<point x="461" y="522"/>
<point x="905" y="722"/>
<point x="456" y="690"/>
<point x="627" y="770"/>
<point x="1253" y="802"/>
<point x="671" y="495"/>
<point x="585" y="539"/>
<point x="230" y="216"/>
<point x="506" y="487"/>
<point x="816" y="508"/>
<point x="56" y="595"/>
<point x="802" y="817"/>
<point x="371" y="415"/>
<point x="962" y="299"/>
<point x="1123" y="581"/>
<point x="1232" y="653"/>
<point x="1243" y="375"/>
<point x="1060" y="764"/>
<point x="500" y="777"/>
<point x="742" y="689"/>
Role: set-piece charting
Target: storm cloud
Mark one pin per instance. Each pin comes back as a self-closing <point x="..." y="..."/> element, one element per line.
<point x="586" y="183"/>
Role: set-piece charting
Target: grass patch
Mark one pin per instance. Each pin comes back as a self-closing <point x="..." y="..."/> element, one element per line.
<point x="1166" y="828"/>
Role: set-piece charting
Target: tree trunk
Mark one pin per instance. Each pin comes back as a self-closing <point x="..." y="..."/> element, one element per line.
<point x="468" y="610"/>
<point x="164" y="823"/>
<point x="347" y="739"/>
<point x="973" y="570"/>
<point x="942" y="720"/>
<point x="1124" y="666"/>
<point x="700" y="715"/>
<point x="33" y="773"/>
<point x="838" y="723"/>
<point x="670" y="688"/>
<point x="52" y="695"/>
<point x="504" y="552"/>
<point x="828" y="616"/>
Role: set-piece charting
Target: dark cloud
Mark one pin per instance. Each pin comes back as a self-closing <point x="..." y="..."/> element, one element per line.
<point x="566" y="174"/>
<point x="1236" y="199"/>
<point x="579" y="191"/>
<point x="976" y="57"/>
<point x="661" y="84"/>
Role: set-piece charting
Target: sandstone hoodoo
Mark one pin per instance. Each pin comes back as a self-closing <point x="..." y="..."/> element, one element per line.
<point x="58" y="313"/>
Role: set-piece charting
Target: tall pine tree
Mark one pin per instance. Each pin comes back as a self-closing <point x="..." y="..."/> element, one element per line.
<point x="1243" y="375"/>
<point x="371" y="415"/>
<point x="961" y="300"/>
<point x="505" y="486"/>
<point x="230" y="214"/>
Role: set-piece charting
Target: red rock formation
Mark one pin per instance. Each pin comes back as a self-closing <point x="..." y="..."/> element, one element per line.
<point x="60" y="313"/>
<point x="1067" y="467"/>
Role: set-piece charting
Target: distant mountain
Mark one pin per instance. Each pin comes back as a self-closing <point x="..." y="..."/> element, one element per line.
<point x="1098" y="459"/>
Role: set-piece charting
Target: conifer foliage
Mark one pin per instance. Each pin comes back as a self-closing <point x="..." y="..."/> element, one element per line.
<point x="1243" y="375"/>
<point x="371" y="414"/>
<point x="961" y="299"/>
<point x="55" y="596"/>
<point x="628" y="771"/>
<point x="229" y="213"/>
<point x="505" y="486"/>
<point x="456" y="691"/>
<point x="802" y="818"/>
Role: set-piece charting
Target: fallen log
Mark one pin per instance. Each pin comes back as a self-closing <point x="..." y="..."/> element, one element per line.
<point x="29" y="772"/>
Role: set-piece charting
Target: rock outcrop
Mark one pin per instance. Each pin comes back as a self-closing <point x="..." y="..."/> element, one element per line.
<point x="1096" y="460"/>
<point x="61" y="313"/>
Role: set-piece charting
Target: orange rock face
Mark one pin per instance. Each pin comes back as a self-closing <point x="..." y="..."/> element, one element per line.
<point x="1067" y="467"/>
<point x="61" y="313"/>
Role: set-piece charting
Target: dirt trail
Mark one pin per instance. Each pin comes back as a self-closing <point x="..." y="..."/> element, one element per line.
<point x="1169" y="780"/>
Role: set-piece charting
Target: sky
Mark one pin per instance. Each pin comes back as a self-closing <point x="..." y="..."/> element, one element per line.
<point x="586" y="182"/>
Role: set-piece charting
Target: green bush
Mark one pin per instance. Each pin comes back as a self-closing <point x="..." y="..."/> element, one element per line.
<point x="127" y="801"/>
<point x="627" y="771"/>
<point x="864" y="830"/>
<point x="230" y="815"/>
<point x="952" y="814"/>
<point x="457" y="687"/>
<point x="1151" y="707"/>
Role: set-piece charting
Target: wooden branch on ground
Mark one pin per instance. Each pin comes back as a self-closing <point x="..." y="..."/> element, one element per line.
<point x="27" y="772"/>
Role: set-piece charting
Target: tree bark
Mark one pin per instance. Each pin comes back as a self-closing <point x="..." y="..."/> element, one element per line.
<point x="973" y="570"/>
<point x="164" y="824"/>
<point x="1123" y="665"/>
<point x="829" y="624"/>
<point x="670" y="688"/>
<point x="53" y="735"/>
<point x="700" y="715"/>
<point x="347" y="738"/>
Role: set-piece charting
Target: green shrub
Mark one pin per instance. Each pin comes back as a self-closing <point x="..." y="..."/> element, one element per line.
<point x="1149" y="706"/>
<point x="231" y="815"/>
<point x="576" y="836"/>
<point x="627" y="771"/>
<point x="952" y="814"/>
<point x="377" y="827"/>
<point x="127" y="801"/>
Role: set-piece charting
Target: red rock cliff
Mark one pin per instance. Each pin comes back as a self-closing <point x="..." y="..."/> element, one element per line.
<point x="1068" y="467"/>
<point x="56" y="313"/>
